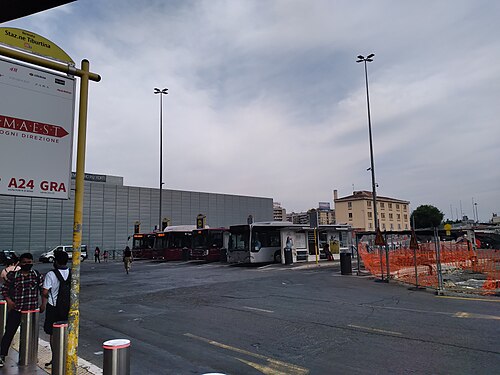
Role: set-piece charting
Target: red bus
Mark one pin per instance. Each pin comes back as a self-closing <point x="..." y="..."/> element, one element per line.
<point x="143" y="245"/>
<point x="174" y="243"/>
<point x="209" y="244"/>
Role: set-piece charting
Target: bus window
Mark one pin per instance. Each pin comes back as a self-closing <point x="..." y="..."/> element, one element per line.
<point x="216" y="240"/>
<point x="268" y="237"/>
<point x="238" y="241"/>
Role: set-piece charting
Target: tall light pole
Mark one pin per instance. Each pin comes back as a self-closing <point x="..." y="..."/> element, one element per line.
<point x="366" y="59"/>
<point x="161" y="92"/>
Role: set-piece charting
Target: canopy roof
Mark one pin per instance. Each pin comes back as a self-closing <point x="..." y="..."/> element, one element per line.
<point x="12" y="9"/>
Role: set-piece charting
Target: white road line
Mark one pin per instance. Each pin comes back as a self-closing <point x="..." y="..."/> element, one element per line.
<point x="256" y="309"/>
<point x="375" y="330"/>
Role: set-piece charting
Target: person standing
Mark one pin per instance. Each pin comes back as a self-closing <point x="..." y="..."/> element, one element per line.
<point x="55" y="294"/>
<point x="127" y="259"/>
<point x="21" y="291"/>
<point x="105" y="255"/>
<point x="97" y="255"/>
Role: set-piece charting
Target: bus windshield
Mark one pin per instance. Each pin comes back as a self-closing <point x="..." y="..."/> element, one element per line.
<point x="199" y="239"/>
<point x="143" y="242"/>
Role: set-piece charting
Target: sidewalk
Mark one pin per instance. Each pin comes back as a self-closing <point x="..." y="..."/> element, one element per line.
<point x="12" y="368"/>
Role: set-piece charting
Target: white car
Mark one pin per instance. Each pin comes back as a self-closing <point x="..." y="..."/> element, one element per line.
<point x="48" y="257"/>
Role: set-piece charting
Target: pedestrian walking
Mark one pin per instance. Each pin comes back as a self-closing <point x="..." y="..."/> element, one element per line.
<point x="97" y="255"/>
<point x="105" y="255"/>
<point x="56" y="295"/>
<point x="127" y="259"/>
<point x="21" y="291"/>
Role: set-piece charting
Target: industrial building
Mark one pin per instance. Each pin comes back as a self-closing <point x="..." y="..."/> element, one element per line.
<point x="111" y="209"/>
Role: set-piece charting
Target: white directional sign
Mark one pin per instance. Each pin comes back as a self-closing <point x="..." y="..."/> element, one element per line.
<point x="36" y="131"/>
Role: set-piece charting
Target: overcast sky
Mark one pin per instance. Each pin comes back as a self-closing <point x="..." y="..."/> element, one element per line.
<point x="266" y="98"/>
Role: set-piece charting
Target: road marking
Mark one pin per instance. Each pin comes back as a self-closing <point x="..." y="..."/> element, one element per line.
<point x="475" y="316"/>
<point x="471" y="299"/>
<point x="275" y="367"/>
<point x="256" y="309"/>
<point x="266" y="266"/>
<point x="375" y="330"/>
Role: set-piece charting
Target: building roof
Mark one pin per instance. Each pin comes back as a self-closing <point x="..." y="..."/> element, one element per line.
<point x="367" y="195"/>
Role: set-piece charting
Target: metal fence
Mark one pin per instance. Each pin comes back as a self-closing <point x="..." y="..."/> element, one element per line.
<point x="444" y="266"/>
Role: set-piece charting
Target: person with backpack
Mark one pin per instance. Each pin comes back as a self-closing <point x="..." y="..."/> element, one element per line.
<point x="127" y="259"/>
<point x="56" y="294"/>
<point x="21" y="291"/>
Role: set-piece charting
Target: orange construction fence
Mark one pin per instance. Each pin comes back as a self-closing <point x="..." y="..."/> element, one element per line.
<point x="459" y="259"/>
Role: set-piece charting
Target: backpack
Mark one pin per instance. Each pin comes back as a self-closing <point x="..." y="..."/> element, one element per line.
<point x="63" y="296"/>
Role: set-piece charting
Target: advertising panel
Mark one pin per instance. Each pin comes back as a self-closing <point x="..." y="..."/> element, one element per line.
<point x="36" y="131"/>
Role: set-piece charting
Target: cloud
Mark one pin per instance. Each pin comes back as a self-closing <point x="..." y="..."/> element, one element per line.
<point x="266" y="99"/>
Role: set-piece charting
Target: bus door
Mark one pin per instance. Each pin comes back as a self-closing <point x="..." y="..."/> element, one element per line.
<point x="239" y="245"/>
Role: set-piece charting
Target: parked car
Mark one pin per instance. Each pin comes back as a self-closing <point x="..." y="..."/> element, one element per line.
<point x="48" y="257"/>
<point x="7" y="255"/>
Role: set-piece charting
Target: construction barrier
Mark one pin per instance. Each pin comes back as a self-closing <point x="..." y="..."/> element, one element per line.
<point x="445" y="265"/>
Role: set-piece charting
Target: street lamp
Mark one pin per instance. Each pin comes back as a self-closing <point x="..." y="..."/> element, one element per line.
<point x="366" y="59"/>
<point x="161" y="92"/>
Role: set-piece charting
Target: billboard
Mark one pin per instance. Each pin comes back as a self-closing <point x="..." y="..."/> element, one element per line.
<point x="36" y="131"/>
<point x="324" y="205"/>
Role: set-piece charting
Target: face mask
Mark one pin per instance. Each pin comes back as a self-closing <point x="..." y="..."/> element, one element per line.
<point x="26" y="267"/>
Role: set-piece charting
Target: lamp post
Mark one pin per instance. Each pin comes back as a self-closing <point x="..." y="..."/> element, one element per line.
<point x="161" y="92"/>
<point x="364" y="60"/>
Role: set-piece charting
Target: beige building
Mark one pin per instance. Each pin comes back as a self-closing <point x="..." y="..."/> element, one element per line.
<point x="279" y="213"/>
<point x="357" y="210"/>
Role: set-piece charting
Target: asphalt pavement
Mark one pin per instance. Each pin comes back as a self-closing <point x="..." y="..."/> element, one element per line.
<point x="196" y="318"/>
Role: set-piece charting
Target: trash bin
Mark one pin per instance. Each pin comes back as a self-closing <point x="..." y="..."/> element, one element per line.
<point x="288" y="255"/>
<point x="345" y="263"/>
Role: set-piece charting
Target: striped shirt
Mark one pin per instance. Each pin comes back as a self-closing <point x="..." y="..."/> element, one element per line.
<point x="23" y="290"/>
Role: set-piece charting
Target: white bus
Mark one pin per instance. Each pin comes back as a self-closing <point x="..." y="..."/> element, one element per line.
<point x="265" y="242"/>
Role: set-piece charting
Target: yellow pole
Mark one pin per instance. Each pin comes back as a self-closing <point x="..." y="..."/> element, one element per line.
<point x="74" y="311"/>
<point x="14" y="54"/>
<point x="86" y="75"/>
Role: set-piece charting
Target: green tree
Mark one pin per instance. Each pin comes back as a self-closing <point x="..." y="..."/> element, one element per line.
<point x="426" y="216"/>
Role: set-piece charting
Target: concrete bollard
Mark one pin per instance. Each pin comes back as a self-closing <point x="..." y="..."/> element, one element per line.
<point x="28" y="341"/>
<point x="3" y="317"/>
<point x="59" y="342"/>
<point x="116" y="359"/>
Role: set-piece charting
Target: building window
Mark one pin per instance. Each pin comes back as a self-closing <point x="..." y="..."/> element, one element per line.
<point x="382" y="205"/>
<point x="399" y="216"/>
<point x="406" y="217"/>
<point x="369" y="203"/>
<point x="399" y="226"/>
<point x="383" y="226"/>
<point x="382" y="215"/>
<point x="397" y="206"/>
<point x="349" y="205"/>
<point x="390" y="206"/>
<point x="370" y="225"/>
<point x="390" y="216"/>
<point x="404" y="208"/>
<point x="392" y="226"/>
<point x="370" y="215"/>
<point x="406" y="226"/>
<point x="350" y="216"/>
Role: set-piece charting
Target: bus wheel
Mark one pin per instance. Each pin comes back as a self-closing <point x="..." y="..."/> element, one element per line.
<point x="277" y="257"/>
